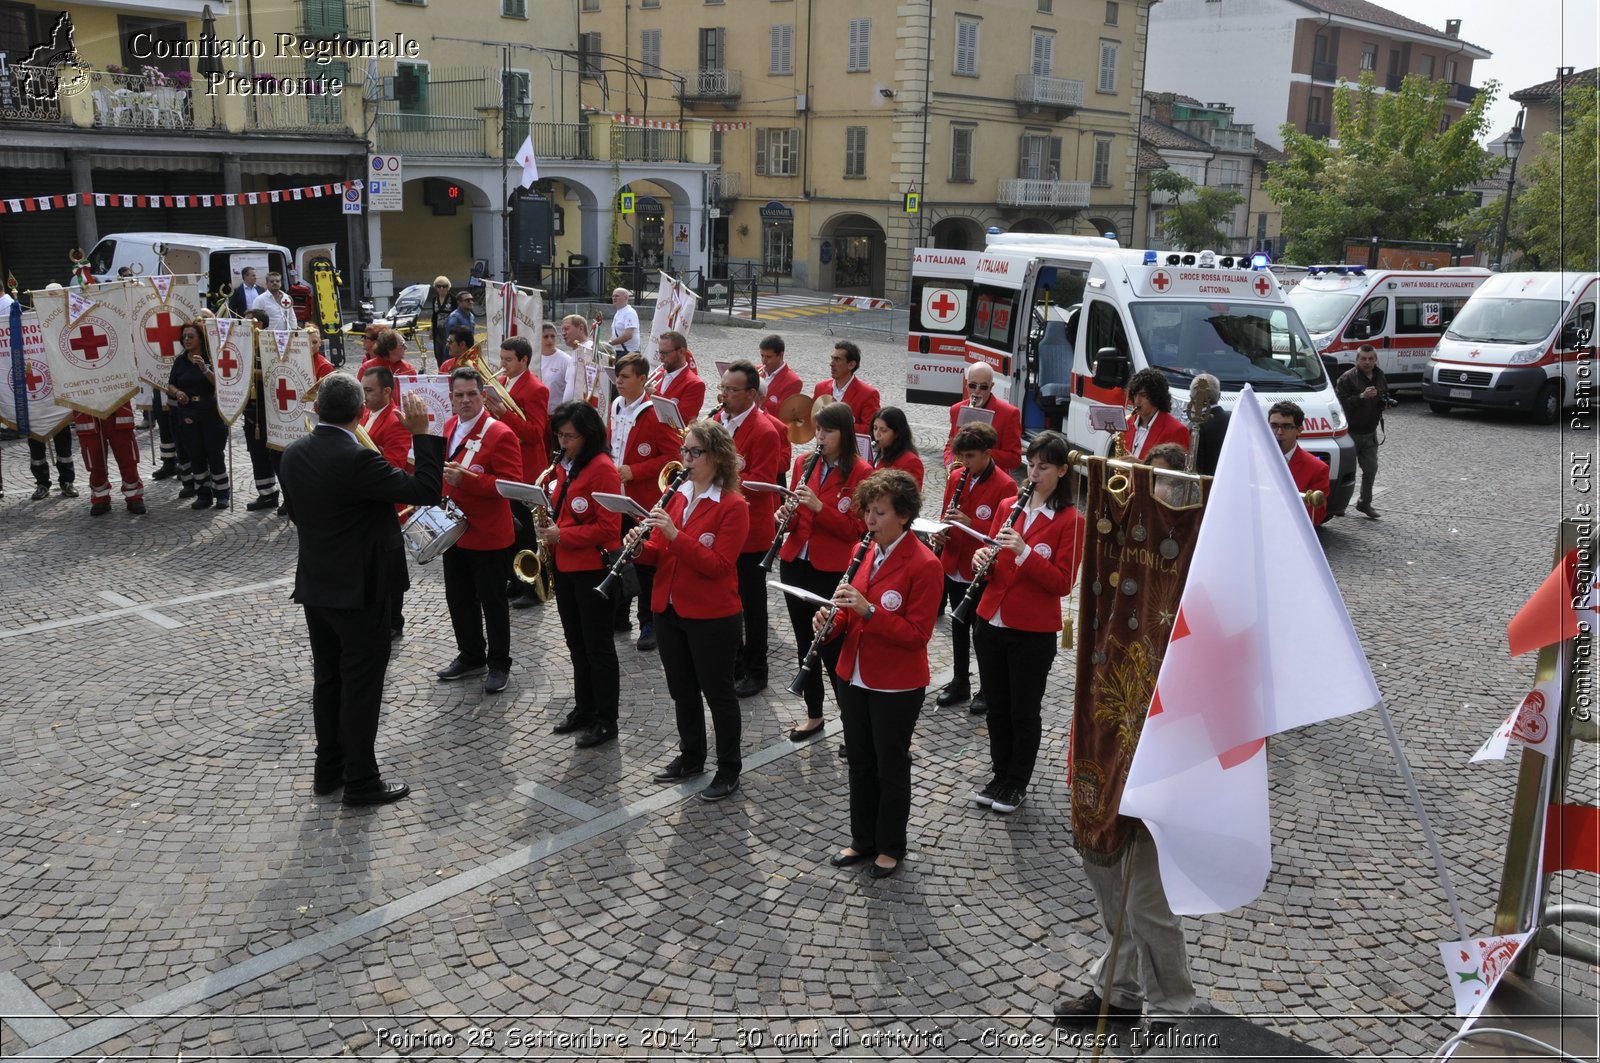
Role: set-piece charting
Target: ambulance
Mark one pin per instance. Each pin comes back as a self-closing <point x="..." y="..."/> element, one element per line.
<point x="1402" y="313"/>
<point x="1066" y="320"/>
<point x="1525" y="342"/>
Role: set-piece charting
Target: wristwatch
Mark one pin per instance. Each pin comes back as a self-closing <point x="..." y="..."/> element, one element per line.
<point x="872" y="611"/>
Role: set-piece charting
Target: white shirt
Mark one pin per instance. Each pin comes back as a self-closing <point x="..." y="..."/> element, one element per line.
<point x="464" y="429"/>
<point x="279" y="310"/>
<point x="556" y="372"/>
<point x="624" y="319"/>
<point x="668" y="378"/>
<point x="1140" y="430"/>
<point x="713" y="493"/>
<point x="251" y="293"/>
<point x="623" y="416"/>
<point x="732" y="423"/>
<point x="840" y="389"/>
<point x="767" y="377"/>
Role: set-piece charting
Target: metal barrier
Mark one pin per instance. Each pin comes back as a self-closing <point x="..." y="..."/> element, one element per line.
<point x="860" y="312"/>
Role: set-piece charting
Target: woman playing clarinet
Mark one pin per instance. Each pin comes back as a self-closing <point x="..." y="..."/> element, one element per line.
<point x="894" y="445"/>
<point x="883" y="620"/>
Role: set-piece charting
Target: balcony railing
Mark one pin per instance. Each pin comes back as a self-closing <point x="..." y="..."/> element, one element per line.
<point x="714" y="84"/>
<point x="1324" y="71"/>
<point x="631" y="144"/>
<point x="1040" y="91"/>
<point x="1393" y="82"/>
<point x="1463" y="93"/>
<point x="1320" y="130"/>
<point x="29" y="94"/>
<point x="725" y="187"/>
<point x="561" y="140"/>
<point x="1027" y="192"/>
<point x="445" y="114"/>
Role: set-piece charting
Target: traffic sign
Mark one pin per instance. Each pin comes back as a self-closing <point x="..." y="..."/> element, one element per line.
<point x="625" y="203"/>
<point x="352" y="198"/>
<point x="913" y="202"/>
<point x="385" y="182"/>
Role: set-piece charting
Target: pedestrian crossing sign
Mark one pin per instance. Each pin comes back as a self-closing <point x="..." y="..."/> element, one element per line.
<point x="913" y="202"/>
<point x="625" y="203"/>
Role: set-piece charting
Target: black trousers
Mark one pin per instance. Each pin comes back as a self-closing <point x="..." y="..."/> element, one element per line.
<point x="586" y="625"/>
<point x="803" y="574"/>
<point x="1014" y="666"/>
<point x="172" y="442"/>
<point x="694" y="655"/>
<point x="752" y="658"/>
<point x="877" y="731"/>
<point x="349" y="655"/>
<point x="475" y="592"/>
<point x="203" y="438"/>
<point x="262" y="464"/>
<point x="647" y="583"/>
<point x="39" y="459"/>
<point x="960" y="633"/>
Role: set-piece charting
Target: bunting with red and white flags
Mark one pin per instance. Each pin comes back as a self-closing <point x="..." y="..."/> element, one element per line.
<point x="44" y="418"/>
<point x="1475" y="965"/>
<point x="159" y="307"/>
<point x="61" y="201"/>
<point x="1547" y="617"/>
<point x="88" y="341"/>
<point x="287" y="376"/>
<point x="1259" y="594"/>
<point x="233" y="356"/>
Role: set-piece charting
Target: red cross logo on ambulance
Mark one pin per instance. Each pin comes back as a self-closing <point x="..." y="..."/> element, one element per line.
<point x="1161" y="280"/>
<point x="944" y="306"/>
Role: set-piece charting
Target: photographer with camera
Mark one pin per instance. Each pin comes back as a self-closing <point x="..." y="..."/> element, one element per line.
<point x="1364" y="394"/>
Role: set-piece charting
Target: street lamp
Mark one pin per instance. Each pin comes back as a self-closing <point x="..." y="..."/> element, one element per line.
<point x="1513" y="148"/>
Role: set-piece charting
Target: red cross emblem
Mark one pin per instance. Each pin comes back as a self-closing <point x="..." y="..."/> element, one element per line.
<point x="89" y="343"/>
<point x="34" y="380"/>
<point x="227" y="363"/>
<point x="285" y="395"/>
<point x="164" y="333"/>
<point x="942" y="306"/>
<point x="1262" y="288"/>
<point x="1160" y="281"/>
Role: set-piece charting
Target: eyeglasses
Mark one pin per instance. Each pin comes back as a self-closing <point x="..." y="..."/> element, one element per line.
<point x="446" y="287"/>
<point x="1282" y="426"/>
<point x="691" y="453"/>
<point x="726" y="389"/>
<point x="980" y="387"/>
<point x="568" y="437"/>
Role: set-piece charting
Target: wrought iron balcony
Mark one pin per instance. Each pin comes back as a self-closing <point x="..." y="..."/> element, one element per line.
<point x="1324" y="71"/>
<point x="1054" y="195"/>
<point x="725" y="187"/>
<point x="713" y="85"/>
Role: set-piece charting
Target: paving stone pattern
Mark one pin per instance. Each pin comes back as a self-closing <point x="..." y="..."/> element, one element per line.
<point x="161" y="837"/>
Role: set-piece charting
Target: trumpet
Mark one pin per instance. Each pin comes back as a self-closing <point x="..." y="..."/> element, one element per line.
<point x="533" y="567"/>
<point x="672" y="476"/>
<point x="969" y="601"/>
<point x="809" y="665"/>
<point x="955" y="497"/>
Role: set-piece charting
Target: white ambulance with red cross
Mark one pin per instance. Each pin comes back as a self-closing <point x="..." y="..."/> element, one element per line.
<point x="1042" y="310"/>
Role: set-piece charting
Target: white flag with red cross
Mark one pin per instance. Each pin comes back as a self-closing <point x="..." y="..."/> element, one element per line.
<point x="159" y="307"/>
<point x="233" y="357"/>
<point x="88" y="342"/>
<point x="286" y="377"/>
<point x="1261" y="644"/>
<point x="45" y="418"/>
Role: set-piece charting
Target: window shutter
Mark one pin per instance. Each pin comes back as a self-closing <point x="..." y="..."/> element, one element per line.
<point x="966" y="47"/>
<point x="1108" y="66"/>
<point x="1043" y="47"/>
<point x="782" y="48"/>
<point x="761" y="151"/>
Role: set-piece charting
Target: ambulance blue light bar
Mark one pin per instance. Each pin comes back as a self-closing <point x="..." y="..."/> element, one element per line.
<point x="1338" y="271"/>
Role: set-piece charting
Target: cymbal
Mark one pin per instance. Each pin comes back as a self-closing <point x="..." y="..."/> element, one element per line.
<point x="796" y="413"/>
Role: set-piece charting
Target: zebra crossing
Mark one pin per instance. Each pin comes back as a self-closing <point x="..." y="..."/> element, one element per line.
<point x="791" y="306"/>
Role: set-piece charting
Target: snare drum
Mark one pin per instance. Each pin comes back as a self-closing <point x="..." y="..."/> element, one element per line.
<point x="432" y="530"/>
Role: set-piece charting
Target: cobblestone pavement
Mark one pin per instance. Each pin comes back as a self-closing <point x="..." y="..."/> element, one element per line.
<point x="171" y="888"/>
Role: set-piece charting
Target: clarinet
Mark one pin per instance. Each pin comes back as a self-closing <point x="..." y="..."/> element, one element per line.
<point x="955" y="502"/>
<point x="626" y="555"/>
<point x="782" y="532"/>
<point x="798" y="687"/>
<point x="969" y="601"/>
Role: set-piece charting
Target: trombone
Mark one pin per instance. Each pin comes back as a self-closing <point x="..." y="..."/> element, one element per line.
<point x="474" y="359"/>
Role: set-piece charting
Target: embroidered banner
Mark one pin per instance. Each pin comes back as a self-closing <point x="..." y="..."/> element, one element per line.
<point x="44" y="418"/>
<point x="234" y="358"/>
<point x="88" y="341"/>
<point x="159" y="308"/>
<point x="286" y="377"/>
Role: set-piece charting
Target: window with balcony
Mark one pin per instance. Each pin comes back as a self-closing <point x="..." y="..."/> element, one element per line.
<point x="1425" y="67"/>
<point x="162" y="34"/>
<point x="1324" y="58"/>
<point x="781" y="48"/>
<point x="1102" y="161"/>
<point x="1111" y="12"/>
<point x="859" y="54"/>
<point x="961" y="140"/>
<point x="967" y="47"/>
<point x="1044" y="50"/>
<point x="650" y="51"/>
<point x="327" y="109"/>
<point x="716" y="147"/>
<point x="1039" y="157"/>
<point x="589" y="65"/>
<point x="411" y="95"/>
<point x="777" y="152"/>
<point x="713" y="47"/>
<point x="1108" y="67"/>
<point x="324" y="18"/>
<point x="855" y="151"/>
<point x="1450" y="71"/>
<point x="1369" y="57"/>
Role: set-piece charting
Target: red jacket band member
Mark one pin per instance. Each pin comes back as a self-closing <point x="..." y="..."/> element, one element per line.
<point x="694" y="542"/>
<point x="675" y="378"/>
<point x="641" y="446"/>
<point x="388" y="350"/>
<point x="757" y="441"/>
<point x="822" y="537"/>
<point x="457" y="342"/>
<point x="883" y="626"/>
<point x="1153" y="423"/>
<point x="778" y="380"/>
<point x="896" y="447"/>
<point x="532" y="426"/>
<point x="1286" y="419"/>
<point x="846" y="387"/>
<point x="1031" y="568"/>
<point x="479" y="450"/>
<point x="387" y="429"/>
<point x="1007" y="421"/>
<point x="581" y="530"/>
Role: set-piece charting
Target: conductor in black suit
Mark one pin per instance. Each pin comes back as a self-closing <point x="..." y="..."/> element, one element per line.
<point x="342" y="498"/>
<point x="1206" y="394"/>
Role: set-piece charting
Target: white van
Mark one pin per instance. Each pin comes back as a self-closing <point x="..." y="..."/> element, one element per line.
<point x="1039" y="309"/>
<point x="218" y="259"/>
<point x="1524" y="342"/>
<point x="1402" y="313"/>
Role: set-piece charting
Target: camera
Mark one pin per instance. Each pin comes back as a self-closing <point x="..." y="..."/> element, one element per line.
<point x="1389" y="401"/>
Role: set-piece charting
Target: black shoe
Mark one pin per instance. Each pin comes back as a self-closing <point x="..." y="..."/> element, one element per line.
<point x="68" y="491"/>
<point x="41" y="492"/>
<point x="385" y="794"/>
<point x="1008" y="799"/>
<point x="1084" y="1010"/>
<point x="283" y="510"/>
<point x="598" y="735"/>
<point x="137" y="508"/>
<point x="953" y="693"/>
<point x="188" y="491"/>
<point x="458" y="669"/>
<point x="203" y="502"/>
<point x="848" y="859"/>
<point x="571" y="724"/>
<point x="623" y="626"/>
<point x="99" y="509"/>
<point x="496" y="681"/>
<point x="749" y="686"/>
<point x="797" y="735"/>
<point x="721" y="787"/>
<point x="678" y="771"/>
<point x="266" y="501"/>
<point x="525" y="601"/>
<point x="879" y="871"/>
<point x="167" y="471"/>
<point x="979" y="706"/>
<point x="844" y="751"/>
<point x="647" y="638"/>
<point x="984" y="798"/>
<point x="1366" y="507"/>
<point x="396" y="634"/>
<point x="323" y="787"/>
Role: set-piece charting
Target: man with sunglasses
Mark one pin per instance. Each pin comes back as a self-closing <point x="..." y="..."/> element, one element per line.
<point x="1007" y="423"/>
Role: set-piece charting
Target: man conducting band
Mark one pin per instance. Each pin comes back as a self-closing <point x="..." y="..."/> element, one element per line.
<point x="532" y="429"/>
<point x="846" y="387"/>
<point x="481" y="450"/>
<point x="342" y="496"/>
<point x="1007" y="421"/>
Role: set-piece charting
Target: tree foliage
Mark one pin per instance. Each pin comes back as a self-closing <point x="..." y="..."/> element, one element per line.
<point x="1553" y="215"/>
<point x="1390" y="172"/>
<point x="1197" y="224"/>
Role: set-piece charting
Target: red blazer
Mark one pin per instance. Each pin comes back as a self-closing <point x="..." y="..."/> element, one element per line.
<point x="1007" y="425"/>
<point x="696" y="572"/>
<point x="759" y="454"/>
<point x="782" y="385"/>
<point x="785" y="448"/>
<point x="651" y="444"/>
<point x="393" y="439"/>
<point x="860" y="396"/>
<point x="985" y="502"/>
<point x="400" y="368"/>
<point x="1164" y="429"/>
<point x="489" y="525"/>
<point x="447" y="365"/>
<point x="891" y="649"/>
<point x="532" y="431"/>
<point x="833" y="531"/>
<point x="1310" y="474"/>
<point x="909" y="462"/>
<point x="586" y="526"/>
<point x="1030" y="593"/>
<point x="320" y="366"/>
<point x="688" y="391"/>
